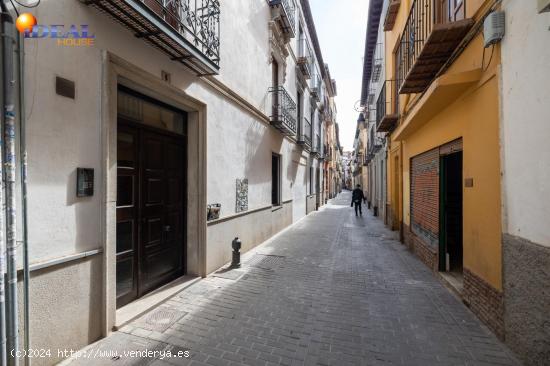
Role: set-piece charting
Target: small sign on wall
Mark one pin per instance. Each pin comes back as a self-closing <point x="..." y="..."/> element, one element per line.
<point x="84" y="182"/>
<point x="213" y="211"/>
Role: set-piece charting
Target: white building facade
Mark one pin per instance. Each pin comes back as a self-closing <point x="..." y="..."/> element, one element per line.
<point x="376" y="87"/>
<point x="525" y="156"/>
<point x="194" y="123"/>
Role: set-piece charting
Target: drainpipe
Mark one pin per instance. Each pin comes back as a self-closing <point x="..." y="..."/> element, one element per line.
<point x="8" y="38"/>
<point x="24" y="166"/>
<point x="4" y="23"/>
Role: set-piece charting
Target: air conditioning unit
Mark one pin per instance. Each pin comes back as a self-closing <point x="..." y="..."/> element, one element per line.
<point x="493" y="28"/>
<point x="544" y="6"/>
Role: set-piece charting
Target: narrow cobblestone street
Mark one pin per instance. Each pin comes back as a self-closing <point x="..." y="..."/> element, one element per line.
<point x="331" y="290"/>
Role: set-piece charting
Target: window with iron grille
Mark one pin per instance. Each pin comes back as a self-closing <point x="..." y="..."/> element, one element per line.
<point x="276" y="179"/>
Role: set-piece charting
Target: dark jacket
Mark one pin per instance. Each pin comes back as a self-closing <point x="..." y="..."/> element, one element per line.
<point x="357" y="195"/>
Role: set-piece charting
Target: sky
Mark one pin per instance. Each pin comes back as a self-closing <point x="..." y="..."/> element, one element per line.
<point x="341" y="27"/>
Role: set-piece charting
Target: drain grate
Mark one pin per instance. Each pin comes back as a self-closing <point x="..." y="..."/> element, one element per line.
<point x="264" y="261"/>
<point x="160" y="319"/>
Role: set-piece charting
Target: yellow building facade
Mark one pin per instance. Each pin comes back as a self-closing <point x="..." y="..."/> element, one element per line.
<point x="443" y="161"/>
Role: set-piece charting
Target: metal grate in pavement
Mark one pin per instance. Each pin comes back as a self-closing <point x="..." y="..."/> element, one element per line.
<point x="160" y="319"/>
<point x="265" y="261"/>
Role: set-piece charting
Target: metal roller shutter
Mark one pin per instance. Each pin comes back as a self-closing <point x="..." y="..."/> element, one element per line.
<point x="425" y="197"/>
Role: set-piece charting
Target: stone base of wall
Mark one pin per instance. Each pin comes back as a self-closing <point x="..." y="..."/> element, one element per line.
<point x="66" y="305"/>
<point x="485" y="301"/>
<point x="424" y="252"/>
<point x="526" y="282"/>
<point x="407" y="236"/>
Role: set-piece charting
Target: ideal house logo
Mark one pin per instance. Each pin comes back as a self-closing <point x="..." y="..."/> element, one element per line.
<point x="72" y="35"/>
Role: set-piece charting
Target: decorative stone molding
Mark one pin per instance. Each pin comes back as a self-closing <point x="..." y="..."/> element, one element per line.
<point x="278" y="45"/>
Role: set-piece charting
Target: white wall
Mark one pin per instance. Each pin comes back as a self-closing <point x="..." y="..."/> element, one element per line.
<point x="526" y="122"/>
<point x="64" y="134"/>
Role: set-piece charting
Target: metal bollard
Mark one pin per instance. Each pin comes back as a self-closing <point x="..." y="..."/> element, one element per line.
<point x="236" y="260"/>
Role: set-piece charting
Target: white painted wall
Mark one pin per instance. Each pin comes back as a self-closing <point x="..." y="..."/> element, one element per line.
<point x="525" y="122"/>
<point x="64" y="134"/>
<point x="377" y="178"/>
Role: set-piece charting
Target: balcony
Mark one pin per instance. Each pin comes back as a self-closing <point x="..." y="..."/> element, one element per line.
<point x="327" y="153"/>
<point x="285" y="14"/>
<point x="371" y="96"/>
<point x="304" y="138"/>
<point x="377" y="63"/>
<point x="429" y="39"/>
<point x="316" y="148"/>
<point x="316" y="87"/>
<point x="328" y="115"/>
<point x="386" y="107"/>
<point x="188" y="31"/>
<point x="391" y="15"/>
<point x="305" y="58"/>
<point x="374" y="144"/>
<point x="283" y="114"/>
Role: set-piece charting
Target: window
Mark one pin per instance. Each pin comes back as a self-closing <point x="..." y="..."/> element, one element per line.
<point x="275" y="71"/>
<point x="300" y="101"/>
<point x="311" y="180"/>
<point x="312" y="115"/>
<point x="457" y="10"/>
<point x="275" y="180"/>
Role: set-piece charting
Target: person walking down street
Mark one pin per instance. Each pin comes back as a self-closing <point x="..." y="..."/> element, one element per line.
<point x="357" y="198"/>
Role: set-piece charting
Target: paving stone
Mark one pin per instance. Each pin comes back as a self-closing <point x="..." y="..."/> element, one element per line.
<point x="331" y="290"/>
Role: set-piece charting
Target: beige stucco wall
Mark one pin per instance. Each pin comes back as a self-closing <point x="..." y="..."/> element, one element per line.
<point x="65" y="308"/>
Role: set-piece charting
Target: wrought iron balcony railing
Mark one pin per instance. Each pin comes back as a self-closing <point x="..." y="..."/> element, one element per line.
<point x="305" y="134"/>
<point x="283" y="112"/>
<point x="305" y="57"/>
<point x="286" y="15"/>
<point x="374" y="143"/>
<point x="387" y="107"/>
<point x="316" y="87"/>
<point x="326" y="153"/>
<point x="316" y="148"/>
<point x="377" y="62"/>
<point x="187" y="30"/>
<point x="429" y="39"/>
<point x="371" y="96"/>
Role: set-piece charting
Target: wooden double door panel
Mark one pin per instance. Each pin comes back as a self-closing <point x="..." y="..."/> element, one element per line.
<point x="151" y="188"/>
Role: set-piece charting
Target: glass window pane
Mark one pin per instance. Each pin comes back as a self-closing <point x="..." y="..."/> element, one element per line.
<point x="150" y="114"/>
<point x="125" y="150"/>
<point x="125" y="190"/>
<point x="124" y="236"/>
<point x="124" y="276"/>
<point x="130" y="106"/>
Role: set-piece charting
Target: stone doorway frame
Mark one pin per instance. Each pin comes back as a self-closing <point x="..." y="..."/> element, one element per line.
<point x="115" y="71"/>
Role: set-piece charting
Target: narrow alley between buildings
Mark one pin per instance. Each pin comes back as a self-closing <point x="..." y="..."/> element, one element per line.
<point x="333" y="289"/>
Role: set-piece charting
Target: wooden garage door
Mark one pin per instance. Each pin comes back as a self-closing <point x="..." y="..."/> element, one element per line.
<point x="425" y="197"/>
